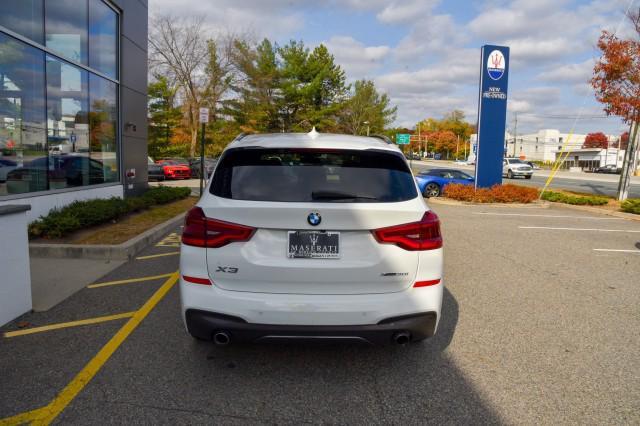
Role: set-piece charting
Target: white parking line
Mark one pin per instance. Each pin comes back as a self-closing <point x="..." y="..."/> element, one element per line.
<point x="548" y="215"/>
<point x="579" y="229"/>
<point x="618" y="251"/>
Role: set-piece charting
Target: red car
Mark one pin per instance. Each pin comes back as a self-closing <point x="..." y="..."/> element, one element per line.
<point x="174" y="170"/>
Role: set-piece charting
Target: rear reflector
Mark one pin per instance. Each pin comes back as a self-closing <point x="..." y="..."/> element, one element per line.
<point x="426" y="283"/>
<point x="196" y="280"/>
<point x="201" y="231"/>
<point x="422" y="235"/>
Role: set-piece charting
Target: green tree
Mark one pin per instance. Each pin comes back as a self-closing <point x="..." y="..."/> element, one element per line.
<point x="256" y="106"/>
<point x="366" y="110"/>
<point x="313" y="88"/>
<point x="164" y="117"/>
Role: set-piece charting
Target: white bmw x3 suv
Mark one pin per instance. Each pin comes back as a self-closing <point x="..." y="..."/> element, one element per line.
<point x="311" y="236"/>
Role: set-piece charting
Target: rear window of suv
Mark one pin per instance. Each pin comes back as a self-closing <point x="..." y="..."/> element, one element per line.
<point x="304" y="175"/>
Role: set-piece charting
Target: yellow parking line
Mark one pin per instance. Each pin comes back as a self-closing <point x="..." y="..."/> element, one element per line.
<point x="48" y="413"/>
<point x="130" y="280"/>
<point x="171" y="253"/>
<point x="23" y="418"/>
<point x="68" y="324"/>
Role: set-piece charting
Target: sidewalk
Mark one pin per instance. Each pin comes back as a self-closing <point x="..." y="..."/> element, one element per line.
<point x="55" y="279"/>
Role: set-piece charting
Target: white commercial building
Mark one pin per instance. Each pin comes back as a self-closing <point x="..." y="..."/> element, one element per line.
<point x="546" y="145"/>
<point x="543" y="145"/>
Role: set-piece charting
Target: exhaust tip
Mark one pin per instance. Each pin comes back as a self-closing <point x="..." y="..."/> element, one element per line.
<point x="221" y="338"/>
<point x="402" y="337"/>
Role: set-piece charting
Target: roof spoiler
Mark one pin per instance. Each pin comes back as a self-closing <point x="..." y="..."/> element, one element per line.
<point x="240" y="136"/>
<point x="383" y="138"/>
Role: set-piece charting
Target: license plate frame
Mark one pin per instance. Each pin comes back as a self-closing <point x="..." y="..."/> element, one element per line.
<point x="313" y="245"/>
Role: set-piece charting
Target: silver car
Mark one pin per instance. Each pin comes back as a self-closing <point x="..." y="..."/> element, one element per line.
<point x="514" y="167"/>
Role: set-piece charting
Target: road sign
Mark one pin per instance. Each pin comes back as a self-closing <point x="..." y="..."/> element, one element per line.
<point x="403" y="138"/>
<point x="204" y="115"/>
<point x="492" y="115"/>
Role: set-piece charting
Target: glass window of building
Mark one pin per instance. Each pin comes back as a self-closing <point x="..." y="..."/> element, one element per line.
<point x="102" y="129"/>
<point x="66" y="23"/>
<point x="67" y="125"/>
<point x="23" y="17"/>
<point x="22" y="117"/>
<point x="103" y="27"/>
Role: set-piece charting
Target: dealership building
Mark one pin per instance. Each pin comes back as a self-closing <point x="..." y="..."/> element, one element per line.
<point x="73" y="101"/>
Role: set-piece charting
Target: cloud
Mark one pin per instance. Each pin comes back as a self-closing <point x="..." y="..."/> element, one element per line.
<point x="357" y="59"/>
<point x="399" y="12"/>
<point x="459" y="68"/>
<point x="273" y="18"/>
<point x="570" y="73"/>
<point x="435" y="34"/>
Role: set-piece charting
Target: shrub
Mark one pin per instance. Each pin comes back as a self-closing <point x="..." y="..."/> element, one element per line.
<point x="632" y="205"/>
<point x="496" y="194"/>
<point x="589" y="200"/>
<point x="82" y="214"/>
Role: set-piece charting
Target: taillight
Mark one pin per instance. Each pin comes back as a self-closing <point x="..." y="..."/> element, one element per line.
<point x="422" y="235"/>
<point x="201" y="231"/>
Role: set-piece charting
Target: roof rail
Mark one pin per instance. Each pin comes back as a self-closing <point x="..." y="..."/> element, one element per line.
<point x="383" y="138"/>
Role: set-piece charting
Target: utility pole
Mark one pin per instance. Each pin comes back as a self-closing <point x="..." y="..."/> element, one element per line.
<point x="630" y="162"/>
<point x="204" y="119"/>
<point x="515" y="135"/>
<point x="457" y="146"/>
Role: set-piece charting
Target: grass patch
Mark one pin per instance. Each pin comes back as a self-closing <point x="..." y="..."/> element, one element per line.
<point x="579" y="200"/>
<point x="134" y="224"/>
<point x="632" y="205"/>
<point x="496" y="194"/>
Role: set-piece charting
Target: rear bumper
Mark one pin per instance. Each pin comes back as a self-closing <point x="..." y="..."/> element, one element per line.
<point x="204" y="325"/>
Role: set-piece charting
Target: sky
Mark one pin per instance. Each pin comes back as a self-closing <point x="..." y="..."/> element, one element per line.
<point x="425" y="54"/>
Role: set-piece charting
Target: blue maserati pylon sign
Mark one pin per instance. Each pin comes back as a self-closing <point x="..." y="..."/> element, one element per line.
<point x="492" y="115"/>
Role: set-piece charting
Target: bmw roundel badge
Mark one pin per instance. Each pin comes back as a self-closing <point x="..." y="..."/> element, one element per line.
<point x="314" y="219"/>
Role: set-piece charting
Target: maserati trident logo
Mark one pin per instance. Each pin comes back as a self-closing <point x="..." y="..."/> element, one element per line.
<point x="314" y="219"/>
<point x="314" y="239"/>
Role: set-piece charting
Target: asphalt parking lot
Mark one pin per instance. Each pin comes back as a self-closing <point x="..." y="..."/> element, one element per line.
<point x="540" y="325"/>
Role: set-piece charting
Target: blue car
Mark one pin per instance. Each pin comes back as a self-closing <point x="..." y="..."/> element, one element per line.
<point x="432" y="182"/>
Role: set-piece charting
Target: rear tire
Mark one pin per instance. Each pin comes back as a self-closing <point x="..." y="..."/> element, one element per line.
<point x="509" y="174"/>
<point x="431" y="190"/>
<point x="529" y="177"/>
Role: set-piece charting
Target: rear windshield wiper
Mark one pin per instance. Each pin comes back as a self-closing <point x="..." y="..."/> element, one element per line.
<point x="334" y="195"/>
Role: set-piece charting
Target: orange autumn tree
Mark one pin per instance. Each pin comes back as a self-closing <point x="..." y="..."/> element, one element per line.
<point x="596" y="140"/>
<point x="616" y="80"/>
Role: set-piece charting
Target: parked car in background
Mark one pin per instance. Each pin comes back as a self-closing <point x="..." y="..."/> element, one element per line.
<point x="415" y="156"/>
<point x="5" y="167"/>
<point x="209" y="165"/>
<point x="432" y="182"/>
<point x="609" y="168"/>
<point x="174" y="170"/>
<point x="59" y="171"/>
<point x="155" y="171"/>
<point x="514" y="167"/>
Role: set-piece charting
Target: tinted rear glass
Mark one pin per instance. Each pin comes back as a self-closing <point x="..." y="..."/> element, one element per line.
<point x="293" y="175"/>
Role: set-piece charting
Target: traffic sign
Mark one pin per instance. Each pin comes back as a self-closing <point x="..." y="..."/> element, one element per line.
<point x="204" y="115"/>
<point x="403" y="138"/>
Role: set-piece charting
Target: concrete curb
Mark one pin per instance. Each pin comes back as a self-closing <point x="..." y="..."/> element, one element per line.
<point x="534" y="205"/>
<point x="124" y="251"/>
